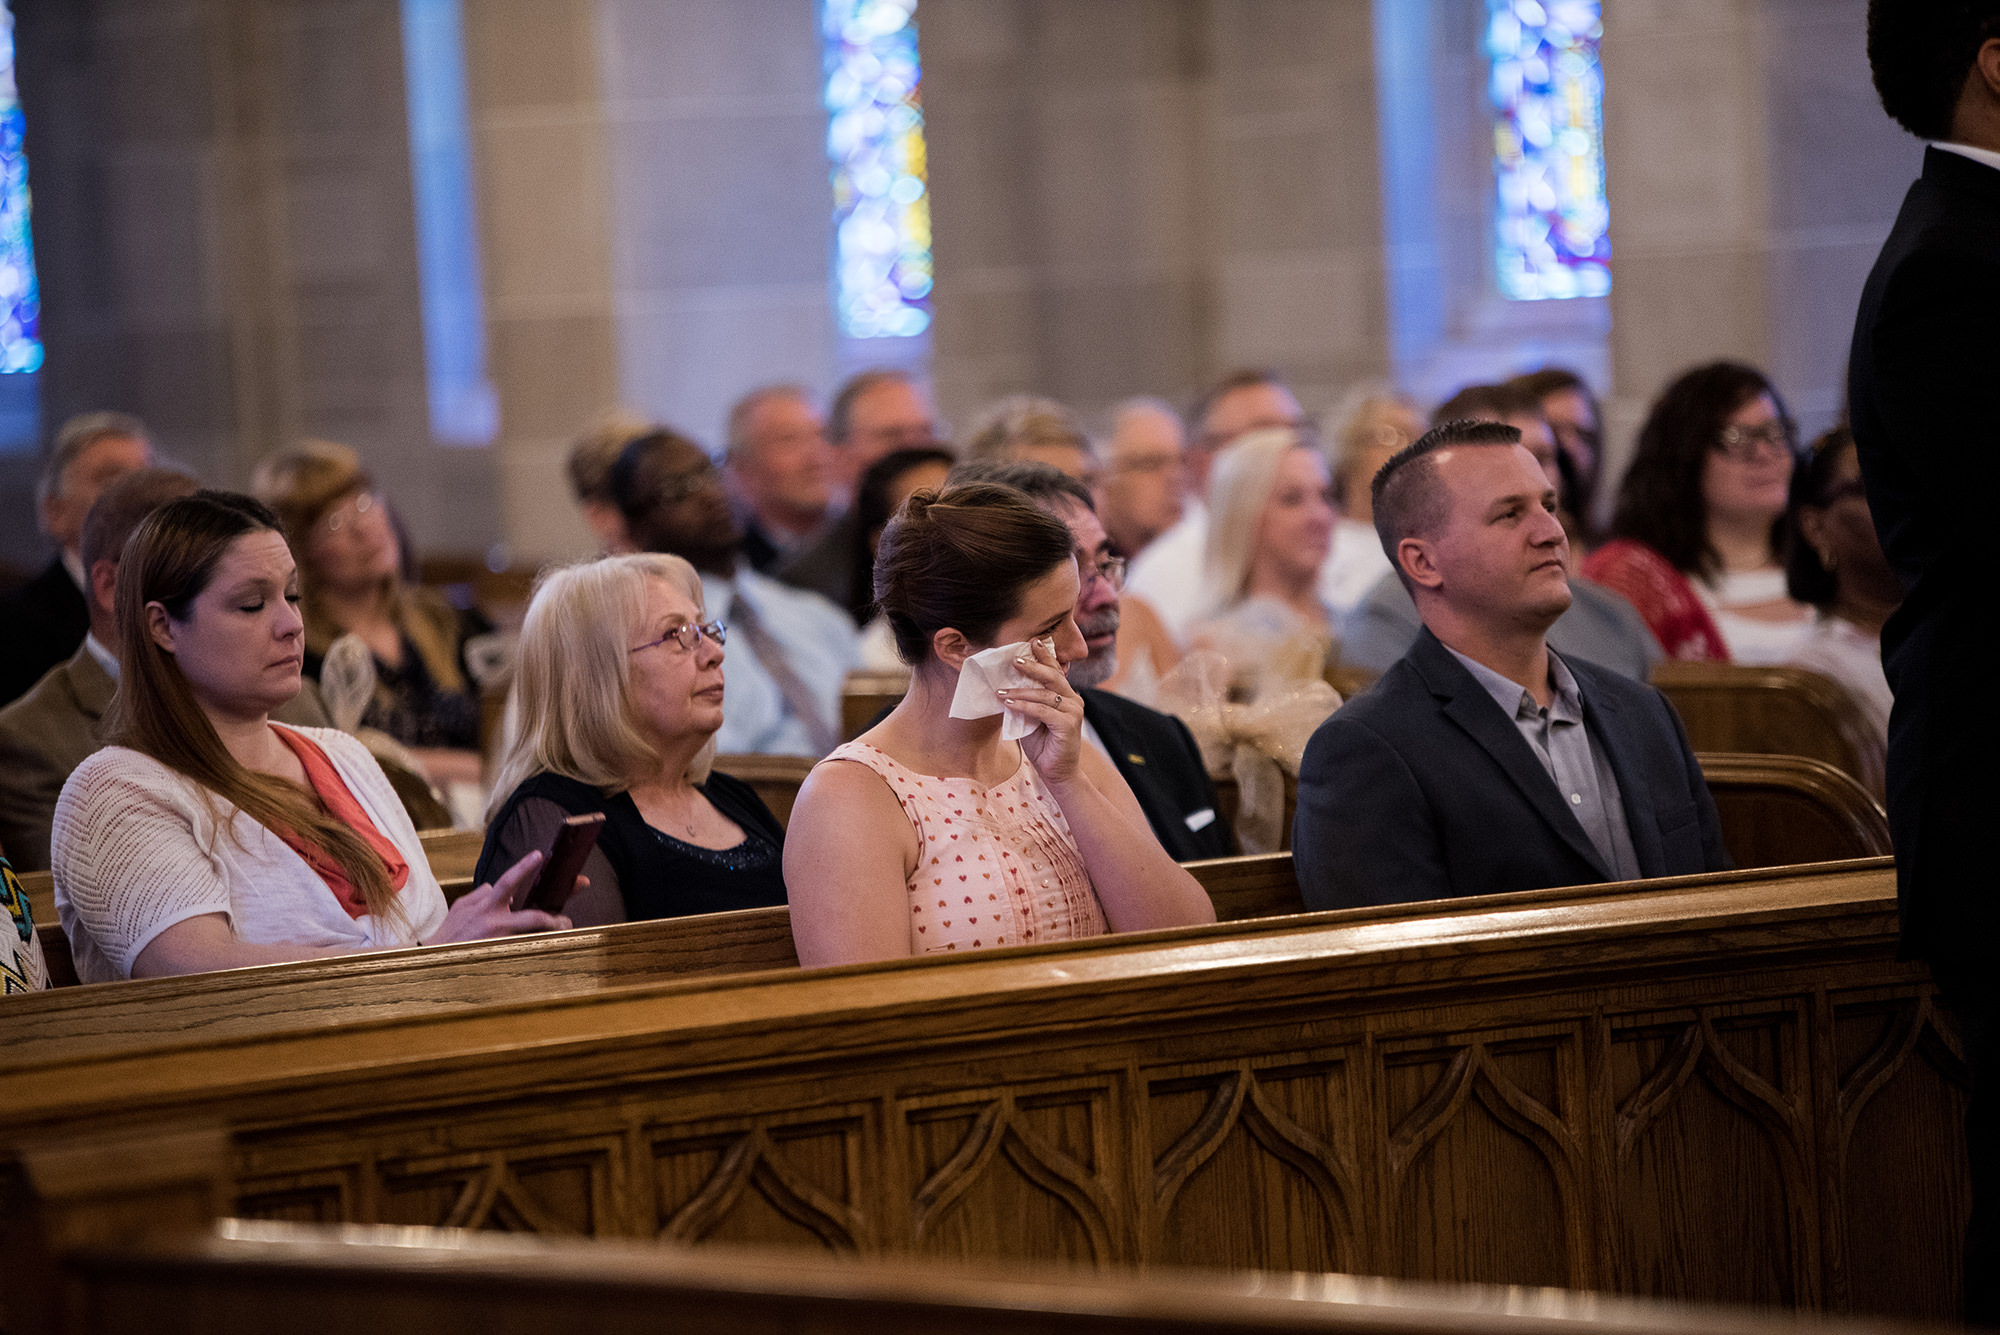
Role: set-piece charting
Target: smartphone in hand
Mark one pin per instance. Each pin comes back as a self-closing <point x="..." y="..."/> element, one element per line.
<point x="552" y="889"/>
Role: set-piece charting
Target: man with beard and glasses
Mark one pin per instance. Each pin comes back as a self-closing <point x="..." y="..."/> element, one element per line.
<point x="789" y="650"/>
<point x="1154" y="751"/>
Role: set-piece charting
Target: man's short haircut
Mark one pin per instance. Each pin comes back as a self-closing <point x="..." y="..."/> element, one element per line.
<point x="745" y="408"/>
<point x="840" y="417"/>
<point x="1410" y="501"/>
<point x="1245" y="377"/>
<point x="1920" y="52"/>
<point x="1023" y="421"/>
<point x="593" y="453"/>
<point x="124" y="505"/>
<point x="1044" y="484"/>
<point x="78" y="434"/>
<point x="1487" y="403"/>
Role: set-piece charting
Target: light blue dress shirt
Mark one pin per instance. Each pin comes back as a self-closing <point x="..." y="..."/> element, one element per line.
<point x="819" y="641"/>
<point x="1574" y="762"/>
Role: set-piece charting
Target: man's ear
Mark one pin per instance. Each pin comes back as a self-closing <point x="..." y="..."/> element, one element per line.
<point x="104" y="586"/>
<point x="1419" y="562"/>
<point x="160" y="626"/>
<point x="1987" y="64"/>
<point x="952" y="648"/>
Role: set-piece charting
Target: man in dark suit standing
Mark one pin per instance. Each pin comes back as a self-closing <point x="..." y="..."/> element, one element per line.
<point x="45" y="621"/>
<point x="1924" y="396"/>
<point x="1154" y="751"/>
<point x="1482" y="761"/>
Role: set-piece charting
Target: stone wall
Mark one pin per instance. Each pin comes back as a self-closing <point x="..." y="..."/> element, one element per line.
<point x="1128" y="198"/>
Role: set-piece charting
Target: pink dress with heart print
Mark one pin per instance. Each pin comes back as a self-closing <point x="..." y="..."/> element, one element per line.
<point x="995" y="867"/>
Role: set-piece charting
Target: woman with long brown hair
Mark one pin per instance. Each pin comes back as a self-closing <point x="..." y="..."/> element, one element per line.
<point x="1698" y="539"/>
<point x="205" y="836"/>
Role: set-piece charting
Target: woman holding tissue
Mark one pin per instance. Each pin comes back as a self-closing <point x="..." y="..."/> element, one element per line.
<point x="975" y="814"/>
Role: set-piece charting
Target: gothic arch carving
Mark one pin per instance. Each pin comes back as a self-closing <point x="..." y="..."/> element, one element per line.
<point x="754" y="1161"/>
<point x="1240" y="1099"/>
<point x="998" y="1129"/>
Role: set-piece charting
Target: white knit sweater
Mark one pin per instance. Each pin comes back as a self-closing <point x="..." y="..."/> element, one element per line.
<point x="137" y="847"/>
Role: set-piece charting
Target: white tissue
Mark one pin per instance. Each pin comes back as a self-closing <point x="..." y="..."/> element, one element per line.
<point x="985" y="673"/>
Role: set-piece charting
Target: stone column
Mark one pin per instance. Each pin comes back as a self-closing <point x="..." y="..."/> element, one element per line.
<point x="543" y="184"/>
<point x="720" y="211"/>
<point x="1752" y="177"/>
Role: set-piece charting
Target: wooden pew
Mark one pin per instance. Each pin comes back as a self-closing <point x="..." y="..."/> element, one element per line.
<point x="452" y="853"/>
<point x="1775" y="811"/>
<point x="1350" y="681"/>
<point x="867" y="694"/>
<point x="359" y="988"/>
<point x="776" y="778"/>
<point x="1784" y="711"/>
<point x="254" y="1277"/>
<point x="1786" y="810"/>
<point x="1722" y="1087"/>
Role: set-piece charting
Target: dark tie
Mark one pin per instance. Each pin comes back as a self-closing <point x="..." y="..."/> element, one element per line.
<point x="799" y="700"/>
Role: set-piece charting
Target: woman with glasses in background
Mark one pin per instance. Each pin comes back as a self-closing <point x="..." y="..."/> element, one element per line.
<point x="617" y="699"/>
<point x="1698" y="539"/>
<point x="351" y="573"/>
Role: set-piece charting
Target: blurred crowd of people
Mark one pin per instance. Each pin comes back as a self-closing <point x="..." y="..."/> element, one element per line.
<point x="1243" y="533"/>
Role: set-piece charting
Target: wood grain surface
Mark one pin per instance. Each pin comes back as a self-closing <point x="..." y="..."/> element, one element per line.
<point x="256" y="1277"/>
<point x="1723" y="1088"/>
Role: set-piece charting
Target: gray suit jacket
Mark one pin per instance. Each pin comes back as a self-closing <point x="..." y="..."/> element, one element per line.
<point x="1600" y="627"/>
<point x="47" y="733"/>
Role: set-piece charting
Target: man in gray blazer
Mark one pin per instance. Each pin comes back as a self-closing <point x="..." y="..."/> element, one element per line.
<point x="49" y="731"/>
<point x="1483" y="761"/>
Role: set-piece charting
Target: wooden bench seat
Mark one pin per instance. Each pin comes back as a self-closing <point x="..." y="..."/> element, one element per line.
<point x="1606" y="1088"/>
<point x="248" y="1278"/>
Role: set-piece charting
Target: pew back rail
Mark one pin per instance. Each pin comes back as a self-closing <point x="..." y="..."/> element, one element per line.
<point x="1608" y="1088"/>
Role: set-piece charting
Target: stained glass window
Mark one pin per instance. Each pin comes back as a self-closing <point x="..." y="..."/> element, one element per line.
<point x="875" y="142"/>
<point x="1547" y="89"/>
<point x="20" y="297"/>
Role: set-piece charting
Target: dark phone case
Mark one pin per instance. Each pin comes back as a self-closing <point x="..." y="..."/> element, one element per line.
<point x="552" y="889"/>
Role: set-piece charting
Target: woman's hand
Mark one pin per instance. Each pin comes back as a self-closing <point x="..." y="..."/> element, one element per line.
<point x="485" y="913"/>
<point x="1057" y="750"/>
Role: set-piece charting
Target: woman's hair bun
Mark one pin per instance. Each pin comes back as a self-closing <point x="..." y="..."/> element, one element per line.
<point x="960" y="557"/>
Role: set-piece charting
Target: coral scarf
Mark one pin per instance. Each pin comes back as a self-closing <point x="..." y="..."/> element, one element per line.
<point x="341" y="804"/>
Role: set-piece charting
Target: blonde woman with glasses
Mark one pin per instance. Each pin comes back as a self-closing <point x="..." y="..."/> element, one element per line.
<point x="617" y="699"/>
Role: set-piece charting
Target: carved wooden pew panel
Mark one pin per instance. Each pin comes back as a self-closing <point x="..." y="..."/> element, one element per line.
<point x="1721" y="1088"/>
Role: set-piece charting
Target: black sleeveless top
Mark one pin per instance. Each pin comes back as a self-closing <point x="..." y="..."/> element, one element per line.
<point x="636" y="871"/>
